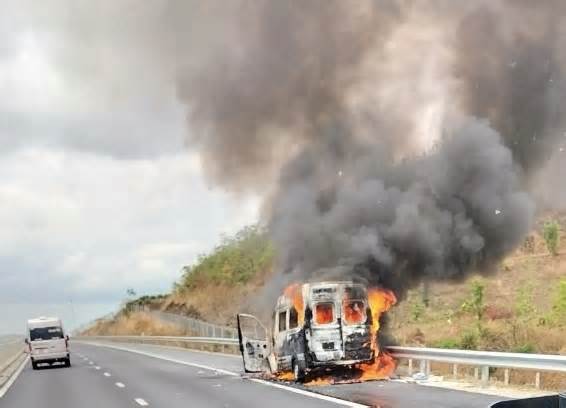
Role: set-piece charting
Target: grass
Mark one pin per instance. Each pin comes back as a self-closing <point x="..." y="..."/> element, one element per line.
<point x="133" y="324"/>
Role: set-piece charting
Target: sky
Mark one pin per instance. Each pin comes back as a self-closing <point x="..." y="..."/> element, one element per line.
<point x="99" y="191"/>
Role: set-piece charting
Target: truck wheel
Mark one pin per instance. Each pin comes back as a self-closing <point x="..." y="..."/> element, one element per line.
<point x="68" y="362"/>
<point x="34" y="365"/>
<point x="298" y="370"/>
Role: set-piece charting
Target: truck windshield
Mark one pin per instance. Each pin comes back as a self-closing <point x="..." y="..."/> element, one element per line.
<point x="46" y="333"/>
<point x="324" y="313"/>
<point x="354" y="312"/>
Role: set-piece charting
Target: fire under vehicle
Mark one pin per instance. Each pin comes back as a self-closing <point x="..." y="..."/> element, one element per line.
<point x="315" y="325"/>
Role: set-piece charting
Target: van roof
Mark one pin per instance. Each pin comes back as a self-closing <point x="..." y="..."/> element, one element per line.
<point x="43" y="321"/>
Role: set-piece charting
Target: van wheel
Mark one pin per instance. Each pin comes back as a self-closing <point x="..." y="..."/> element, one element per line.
<point x="34" y="365"/>
<point x="298" y="370"/>
<point x="68" y="362"/>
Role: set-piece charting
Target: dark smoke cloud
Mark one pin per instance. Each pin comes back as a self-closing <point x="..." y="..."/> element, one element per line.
<point x="511" y="67"/>
<point x="287" y="68"/>
<point x="401" y="134"/>
<point x="456" y="209"/>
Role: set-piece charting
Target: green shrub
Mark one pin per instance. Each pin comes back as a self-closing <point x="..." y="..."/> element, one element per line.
<point x="525" y="348"/>
<point x="469" y="341"/>
<point x="524" y="304"/>
<point x="447" y="344"/>
<point x="559" y="305"/>
<point x="475" y="304"/>
<point x="417" y="310"/>
<point x="551" y="233"/>
<point x="235" y="261"/>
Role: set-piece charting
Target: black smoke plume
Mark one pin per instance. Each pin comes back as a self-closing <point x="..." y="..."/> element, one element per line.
<point x="394" y="141"/>
<point x="315" y="95"/>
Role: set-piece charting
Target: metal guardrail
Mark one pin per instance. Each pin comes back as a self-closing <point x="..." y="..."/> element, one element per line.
<point x="479" y="359"/>
<point x="483" y="360"/>
<point x="220" y="341"/>
<point x="194" y="326"/>
<point x="538" y="362"/>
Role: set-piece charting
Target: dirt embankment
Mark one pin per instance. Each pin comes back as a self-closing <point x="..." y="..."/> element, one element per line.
<point x="137" y="323"/>
<point x="518" y="302"/>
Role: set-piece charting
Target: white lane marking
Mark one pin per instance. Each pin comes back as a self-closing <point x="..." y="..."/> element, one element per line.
<point x="107" y="375"/>
<point x="141" y="402"/>
<point x="13" y="378"/>
<point x="90" y="363"/>
<point x="218" y="370"/>
<point x="97" y="368"/>
<point x="172" y="360"/>
<point x="120" y="385"/>
<point x="309" y="394"/>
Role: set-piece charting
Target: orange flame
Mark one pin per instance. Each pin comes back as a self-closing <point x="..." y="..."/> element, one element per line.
<point x="354" y="312"/>
<point x="295" y="293"/>
<point x="380" y="301"/>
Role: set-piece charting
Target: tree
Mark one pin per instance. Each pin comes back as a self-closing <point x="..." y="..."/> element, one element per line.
<point x="130" y="292"/>
<point x="417" y="310"/>
<point x="559" y="306"/>
<point x="475" y="304"/>
<point x="551" y="233"/>
<point x="524" y="311"/>
<point x="524" y="305"/>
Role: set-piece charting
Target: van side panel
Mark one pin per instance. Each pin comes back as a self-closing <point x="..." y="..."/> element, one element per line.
<point x="327" y="339"/>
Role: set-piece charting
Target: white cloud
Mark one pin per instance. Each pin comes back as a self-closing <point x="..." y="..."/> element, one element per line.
<point x="84" y="226"/>
<point x="98" y="191"/>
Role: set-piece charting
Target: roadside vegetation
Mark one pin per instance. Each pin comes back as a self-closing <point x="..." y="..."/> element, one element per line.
<point x="236" y="261"/>
<point x="520" y="307"/>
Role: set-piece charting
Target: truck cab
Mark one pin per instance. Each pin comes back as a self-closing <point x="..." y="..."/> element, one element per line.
<point x="314" y="325"/>
<point x="47" y="342"/>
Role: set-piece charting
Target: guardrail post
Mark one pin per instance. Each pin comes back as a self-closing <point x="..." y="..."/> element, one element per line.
<point x="422" y="366"/>
<point x="537" y="380"/>
<point x="410" y="367"/>
<point x="484" y="376"/>
<point x="506" y="376"/>
<point x="476" y="373"/>
<point x="455" y="370"/>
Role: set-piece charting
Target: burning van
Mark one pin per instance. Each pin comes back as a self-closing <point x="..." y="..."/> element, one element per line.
<point x="315" y="325"/>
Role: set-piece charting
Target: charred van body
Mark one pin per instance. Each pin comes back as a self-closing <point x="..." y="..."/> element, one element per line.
<point x="315" y="325"/>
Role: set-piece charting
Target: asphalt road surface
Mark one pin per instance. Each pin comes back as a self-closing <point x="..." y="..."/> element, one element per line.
<point x="167" y="377"/>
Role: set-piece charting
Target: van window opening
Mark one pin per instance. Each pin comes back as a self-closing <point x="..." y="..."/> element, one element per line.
<point x="46" y="333"/>
<point x="282" y="321"/>
<point x="324" y="313"/>
<point x="354" y="312"/>
<point x="293" y="318"/>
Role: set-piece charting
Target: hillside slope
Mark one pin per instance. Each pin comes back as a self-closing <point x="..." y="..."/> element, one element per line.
<point x="520" y="300"/>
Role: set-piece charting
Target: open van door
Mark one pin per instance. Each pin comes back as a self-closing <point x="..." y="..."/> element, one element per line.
<point x="254" y="345"/>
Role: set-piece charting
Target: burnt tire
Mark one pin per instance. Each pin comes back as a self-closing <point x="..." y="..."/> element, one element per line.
<point x="299" y="370"/>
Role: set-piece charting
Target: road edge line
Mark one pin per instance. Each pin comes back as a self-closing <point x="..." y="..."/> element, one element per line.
<point x="169" y="359"/>
<point x="310" y="394"/>
<point x="299" y="391"/>
<point x="4" y="389"/>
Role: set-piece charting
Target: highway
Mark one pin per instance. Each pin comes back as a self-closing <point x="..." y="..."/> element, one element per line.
<point x="141" y="375"/>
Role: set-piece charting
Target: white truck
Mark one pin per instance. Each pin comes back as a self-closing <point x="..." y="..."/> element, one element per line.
<point x="47" y="342"/>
